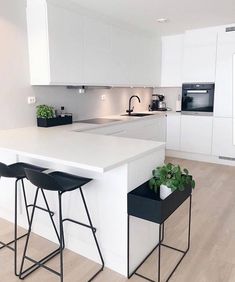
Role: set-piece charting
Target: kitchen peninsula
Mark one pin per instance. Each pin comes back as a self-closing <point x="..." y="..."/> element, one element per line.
<point x="117" y="165"/>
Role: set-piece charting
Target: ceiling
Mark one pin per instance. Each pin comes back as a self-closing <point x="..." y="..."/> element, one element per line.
<point x="182" y="14"/>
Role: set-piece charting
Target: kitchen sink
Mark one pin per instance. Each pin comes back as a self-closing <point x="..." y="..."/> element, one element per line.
<point x="137" y="115"/>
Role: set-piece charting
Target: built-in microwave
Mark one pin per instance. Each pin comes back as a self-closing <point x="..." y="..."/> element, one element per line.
<point x="198" y="98"/>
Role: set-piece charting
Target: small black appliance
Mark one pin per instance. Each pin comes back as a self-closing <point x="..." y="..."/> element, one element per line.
<point x="158" y="103"/>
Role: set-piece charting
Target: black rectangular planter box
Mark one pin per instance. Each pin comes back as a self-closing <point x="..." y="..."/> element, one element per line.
<point x="43" y="122"/>
<point x="146" y="204"/>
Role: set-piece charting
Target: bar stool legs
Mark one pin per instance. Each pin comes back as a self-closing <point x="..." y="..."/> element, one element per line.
<point x="60" y="236"/>
<point x="94" y="235"/>
<point x="37" y="264"/>
<point x="16" y="238"/>
<point x="16" y="221"/>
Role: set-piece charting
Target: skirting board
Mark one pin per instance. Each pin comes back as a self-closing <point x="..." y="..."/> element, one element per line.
<point x="199" y="157"/>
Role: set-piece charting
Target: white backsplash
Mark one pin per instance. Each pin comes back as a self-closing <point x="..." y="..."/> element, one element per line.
<point x="89" y="104"/>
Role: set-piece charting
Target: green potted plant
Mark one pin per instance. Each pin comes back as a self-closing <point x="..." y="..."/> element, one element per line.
<point x="44" y="111"/>
<point x="169" y="178"/>
<point x="46" y="117"/>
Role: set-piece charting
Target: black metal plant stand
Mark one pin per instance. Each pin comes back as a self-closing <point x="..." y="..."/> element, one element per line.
<point x="144" y="203"/>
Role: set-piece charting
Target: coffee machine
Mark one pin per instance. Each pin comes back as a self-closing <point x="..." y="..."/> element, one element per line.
<point x="158" y="103"/>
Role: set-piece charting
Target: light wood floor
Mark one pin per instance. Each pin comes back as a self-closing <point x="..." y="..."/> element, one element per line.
<point x="212" y="254"/>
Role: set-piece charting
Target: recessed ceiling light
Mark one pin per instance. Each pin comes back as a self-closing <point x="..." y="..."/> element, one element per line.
<point x="162" y="20"/>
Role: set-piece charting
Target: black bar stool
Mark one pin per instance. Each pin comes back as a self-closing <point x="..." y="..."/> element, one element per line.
<point x="61" y="183"/>
<point x="17" y="172"/>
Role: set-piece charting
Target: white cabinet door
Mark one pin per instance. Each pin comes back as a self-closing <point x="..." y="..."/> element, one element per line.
<point x="224" y="74"/>
<point x="37" y="28"/>
<point x="97" y="53"/>
<point x="223" y="138"/>
<point x="144" y="61"/>
<point x="66" y="43"/>
<point x="56" y="41"/>
<point x="200" y="55"/>
<point x="173" y="132"/>
<point x="172" y="60"/>
<point x="196" y="134"/>
<point x="137" y="60"/>
<point x="121" y="63"/>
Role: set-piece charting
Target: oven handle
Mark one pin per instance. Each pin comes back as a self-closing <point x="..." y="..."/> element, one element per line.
<point x="197" y="91"/>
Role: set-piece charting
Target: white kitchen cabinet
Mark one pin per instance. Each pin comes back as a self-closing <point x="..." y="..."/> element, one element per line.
<point x="199" y="62"/>
<point x="70" y="46"/>
<point x="144" y="60"/>
<point x="56" y="42"/>
<point x="147" y="129"/>
<point x="224" y="74"/>
<point x="196" y="134"/>
<point x="222" y="144"/>
<point x="121" y="63"/>
<point x="173" y="132"/>
<point x="172" y="60"/>
<point x="97" y="52"/>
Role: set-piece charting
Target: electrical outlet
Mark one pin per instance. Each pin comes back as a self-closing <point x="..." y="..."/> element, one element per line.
<point x="102" y="97"/>
<point x="31" y="100"/>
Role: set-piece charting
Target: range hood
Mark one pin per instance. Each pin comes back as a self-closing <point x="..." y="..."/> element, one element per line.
<point x="82" y="89"/>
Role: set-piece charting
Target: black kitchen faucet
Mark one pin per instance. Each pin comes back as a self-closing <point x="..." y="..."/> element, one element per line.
<point x="130" y="110"/>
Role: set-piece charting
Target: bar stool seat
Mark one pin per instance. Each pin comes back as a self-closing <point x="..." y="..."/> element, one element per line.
<point x="59" y="182"/>
<point x="17" y="171"/>
<point x="69" y="182"/>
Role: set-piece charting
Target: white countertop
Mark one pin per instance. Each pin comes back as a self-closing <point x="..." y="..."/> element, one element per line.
<point x="63" y="145"/>
<point x="80" y="126"/>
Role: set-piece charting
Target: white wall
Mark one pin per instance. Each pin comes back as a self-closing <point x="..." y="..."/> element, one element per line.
<point x="14" y="80"/>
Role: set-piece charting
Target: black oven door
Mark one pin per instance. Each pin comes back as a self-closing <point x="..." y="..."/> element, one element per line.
<point x="198" y="100"/>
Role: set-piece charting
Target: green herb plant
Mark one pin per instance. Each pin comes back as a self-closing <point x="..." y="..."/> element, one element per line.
<point x="44" y="111"/>
<point x="172" y="176"/>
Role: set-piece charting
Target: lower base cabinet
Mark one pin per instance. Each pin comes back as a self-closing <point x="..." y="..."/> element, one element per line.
<point x="201" y="135"/>
<point x="222" y="144"/>
<point x="196" y="134"/>
<point x="173" y="132"/>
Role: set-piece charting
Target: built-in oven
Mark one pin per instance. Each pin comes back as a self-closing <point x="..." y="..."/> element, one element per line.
<point x="198" y="98"/>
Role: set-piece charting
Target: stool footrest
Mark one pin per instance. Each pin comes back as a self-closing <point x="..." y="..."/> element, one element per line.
<point x="7" y="245"/>
<point x="79" y="223"/>
<point x="42" y="209"/>
<point x="40" y="263"/>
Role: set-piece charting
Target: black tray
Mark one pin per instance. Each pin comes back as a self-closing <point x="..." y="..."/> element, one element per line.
<point x="146" y="204"/>
<point x="43" y="122"/>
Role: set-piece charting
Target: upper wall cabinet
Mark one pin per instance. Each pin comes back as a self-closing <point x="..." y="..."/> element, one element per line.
<point x="172" y="60"/>
<point x="121" y="62"/>
<point x="97" y="52"/>
<point x="224" y="74"/>
<point x="199" y="61"/>
<point x="69" y="46"/>
<point x="56" y="43"/>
